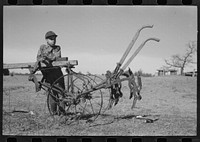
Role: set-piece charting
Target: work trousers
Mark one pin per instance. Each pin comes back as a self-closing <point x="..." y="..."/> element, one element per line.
<point x="50" y="76"/>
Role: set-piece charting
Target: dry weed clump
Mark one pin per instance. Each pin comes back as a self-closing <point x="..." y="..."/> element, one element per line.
<point x="21" y="123"/>
<point x="30" y="123"/>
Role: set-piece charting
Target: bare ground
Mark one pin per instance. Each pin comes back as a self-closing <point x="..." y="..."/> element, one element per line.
<point x="170" y="100"/>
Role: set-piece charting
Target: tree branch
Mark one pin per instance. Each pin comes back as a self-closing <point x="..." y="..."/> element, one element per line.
<point x="180" y="62"/>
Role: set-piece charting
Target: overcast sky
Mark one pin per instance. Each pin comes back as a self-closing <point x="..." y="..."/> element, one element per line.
<point x="97" y="36"/>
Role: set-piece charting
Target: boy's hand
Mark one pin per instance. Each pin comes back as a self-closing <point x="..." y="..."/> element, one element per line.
<point x="43" y="58"/>
<point x="30" y="78"/>
<point x="33" y="70"/>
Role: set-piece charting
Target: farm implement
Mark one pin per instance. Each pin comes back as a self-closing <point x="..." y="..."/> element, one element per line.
<point x="83" y="95"/>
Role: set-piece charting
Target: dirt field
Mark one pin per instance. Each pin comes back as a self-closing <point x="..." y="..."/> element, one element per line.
<point x="171" y="101"/>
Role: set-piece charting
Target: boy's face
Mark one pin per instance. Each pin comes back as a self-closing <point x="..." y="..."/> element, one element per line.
<point x="51" y="40"/>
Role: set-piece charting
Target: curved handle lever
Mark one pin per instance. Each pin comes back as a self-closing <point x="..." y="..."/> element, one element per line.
<point x="137" y="51"/>
<point x="130" y="47"/>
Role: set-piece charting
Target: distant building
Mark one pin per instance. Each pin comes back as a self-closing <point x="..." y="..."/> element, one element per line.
<point x="160" y="72"/>
<point x="191" y="73"/>
<point x="172" y="72"/>
<point x="166" y="71"/>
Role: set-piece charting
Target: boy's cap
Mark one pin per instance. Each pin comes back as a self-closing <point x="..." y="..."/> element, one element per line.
<point x="50" y="33"/>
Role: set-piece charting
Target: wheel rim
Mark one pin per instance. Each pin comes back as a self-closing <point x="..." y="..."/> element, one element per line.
<point x="86" y="107"/>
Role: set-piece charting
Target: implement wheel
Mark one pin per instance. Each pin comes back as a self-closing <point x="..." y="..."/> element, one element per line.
<point x="77" y="104"/>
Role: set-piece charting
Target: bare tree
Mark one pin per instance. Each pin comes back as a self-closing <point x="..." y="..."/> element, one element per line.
<point x="181" y="61"/>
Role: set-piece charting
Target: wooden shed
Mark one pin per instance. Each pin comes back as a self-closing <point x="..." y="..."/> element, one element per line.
<point x="161" y="72"/>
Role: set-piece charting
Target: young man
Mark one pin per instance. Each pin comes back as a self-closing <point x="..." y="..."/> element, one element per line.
<point x="47" y="54"/>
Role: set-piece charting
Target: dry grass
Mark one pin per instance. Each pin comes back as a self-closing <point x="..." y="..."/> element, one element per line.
<point x="172" y="100"/>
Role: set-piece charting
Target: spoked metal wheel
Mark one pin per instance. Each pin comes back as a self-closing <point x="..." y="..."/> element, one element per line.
<point x="49" y="95"/>
<point x="80" y="100"/>
<point x="98" y="79"/>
